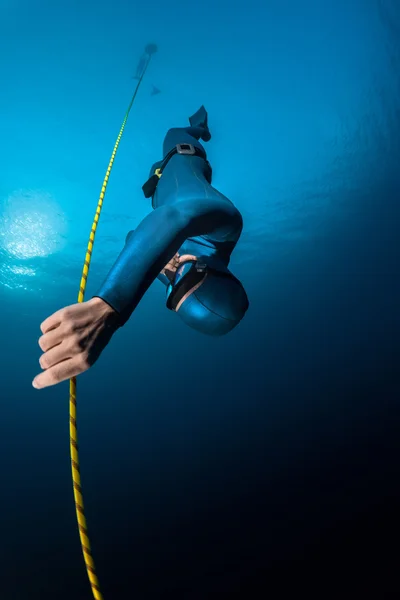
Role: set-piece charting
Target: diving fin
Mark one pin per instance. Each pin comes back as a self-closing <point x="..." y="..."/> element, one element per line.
<point x="200" y="119"/>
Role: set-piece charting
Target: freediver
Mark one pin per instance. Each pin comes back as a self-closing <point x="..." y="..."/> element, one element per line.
<point x="186" y="242"/>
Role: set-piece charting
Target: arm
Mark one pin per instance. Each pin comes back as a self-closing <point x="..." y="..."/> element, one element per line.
<point x="153" y="243"/>
<point x="74" y="337"/>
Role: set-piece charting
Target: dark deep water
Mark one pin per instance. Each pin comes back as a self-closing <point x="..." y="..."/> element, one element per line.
<point x="259" y="466"/>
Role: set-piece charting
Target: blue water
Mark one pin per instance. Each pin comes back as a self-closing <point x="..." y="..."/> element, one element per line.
<point x="208" y="466"/>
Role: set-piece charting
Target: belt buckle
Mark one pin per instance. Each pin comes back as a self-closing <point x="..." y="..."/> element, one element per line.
<point x="186" y="149"/>
<point x="200" y="267"/>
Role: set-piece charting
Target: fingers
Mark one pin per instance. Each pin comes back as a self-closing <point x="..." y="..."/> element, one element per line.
<point x="73" y="338"/>
<point x="185" y="258"/>
<point x="60" y="372"/>
<point x="50" y="339"/>
<point x="55" y="355"/>
<point x="53" y="321"/>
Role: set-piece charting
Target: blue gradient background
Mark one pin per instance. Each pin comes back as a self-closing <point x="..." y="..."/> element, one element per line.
<point x="210" y="468"/>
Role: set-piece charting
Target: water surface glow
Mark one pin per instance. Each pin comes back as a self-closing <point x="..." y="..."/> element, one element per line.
<point x="31" y="225"/>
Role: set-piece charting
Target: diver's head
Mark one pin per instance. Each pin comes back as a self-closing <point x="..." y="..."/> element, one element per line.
<point x="208" y="299"/>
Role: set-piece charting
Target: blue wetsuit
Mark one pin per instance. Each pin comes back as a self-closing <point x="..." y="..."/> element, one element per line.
<point x="189" y="217"/>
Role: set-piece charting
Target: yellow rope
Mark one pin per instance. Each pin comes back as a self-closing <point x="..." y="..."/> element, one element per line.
<point x="76" y="478"/>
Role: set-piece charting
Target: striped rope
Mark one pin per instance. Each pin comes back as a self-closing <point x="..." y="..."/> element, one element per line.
<point x="73" y="434"/>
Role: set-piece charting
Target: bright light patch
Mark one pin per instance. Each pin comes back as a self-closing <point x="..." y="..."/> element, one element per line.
<point x="31" y="225"/>
<point x="28" y="272"/>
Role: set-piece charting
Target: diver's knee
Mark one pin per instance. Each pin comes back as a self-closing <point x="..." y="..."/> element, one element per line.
<point x="128" y="237"/>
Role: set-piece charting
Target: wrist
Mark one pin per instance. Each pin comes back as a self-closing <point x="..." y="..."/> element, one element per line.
<point x="106" y="309"/>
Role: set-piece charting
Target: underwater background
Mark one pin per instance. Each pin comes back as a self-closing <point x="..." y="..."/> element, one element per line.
<point x="249" y="466"/>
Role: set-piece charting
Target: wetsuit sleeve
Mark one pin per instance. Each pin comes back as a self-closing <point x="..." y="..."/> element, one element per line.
<point x="153" y="243"/>
<point x="161" y="276"/>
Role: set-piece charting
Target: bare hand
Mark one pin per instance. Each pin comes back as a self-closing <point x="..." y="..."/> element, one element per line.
<point x="73" y="339"/>
<point x="173" y="265"/>
<point x="170" y="268"/>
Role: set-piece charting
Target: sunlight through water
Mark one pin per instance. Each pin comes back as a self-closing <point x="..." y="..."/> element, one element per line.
<point x="32" y="226"/>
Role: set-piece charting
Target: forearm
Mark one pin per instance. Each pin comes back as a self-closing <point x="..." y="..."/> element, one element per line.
<point x="152" y="245"/>
<point x="147" y="250"/>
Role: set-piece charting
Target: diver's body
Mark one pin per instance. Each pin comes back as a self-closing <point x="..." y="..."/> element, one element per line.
<point x="190" y="218"/>
<point x="186" y="242"/>
<point x="189" y="178"/>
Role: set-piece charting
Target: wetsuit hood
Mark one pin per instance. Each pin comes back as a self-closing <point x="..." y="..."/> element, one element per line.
<point x="218" y="301"/>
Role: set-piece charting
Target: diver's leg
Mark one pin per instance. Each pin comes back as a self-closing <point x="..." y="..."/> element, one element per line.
<point x="199" y="133"/>
<point x="199" y="125"/>
<point x="198" y="130"/>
